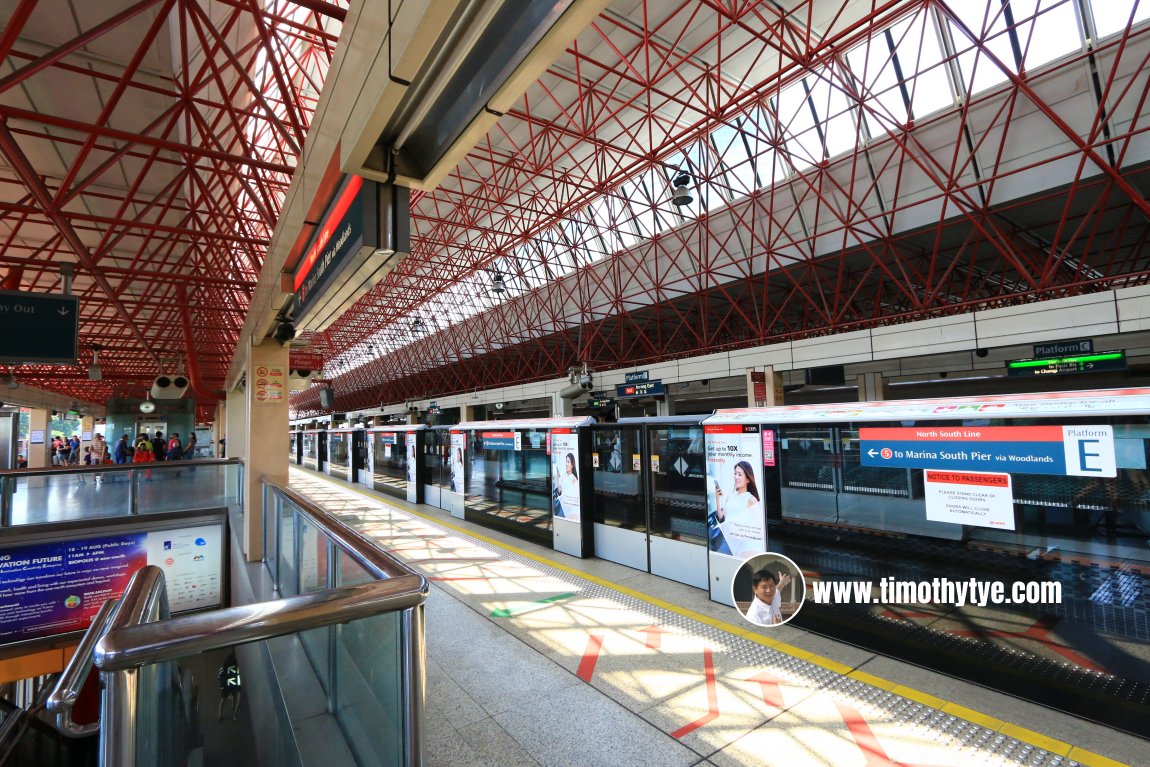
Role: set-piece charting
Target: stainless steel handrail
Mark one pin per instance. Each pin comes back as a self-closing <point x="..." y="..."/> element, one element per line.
<point x="114" y="467"/>
<point x="145" y="599"/>
<point x="9" y="477"/>
<point x="75" y="675"/>
<point x="137" y="637"/>
<point x="135" y="646"/>
<point x="360" y="548"/>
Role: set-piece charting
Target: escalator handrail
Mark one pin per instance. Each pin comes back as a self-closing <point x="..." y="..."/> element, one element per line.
<point x="75" y="675"/>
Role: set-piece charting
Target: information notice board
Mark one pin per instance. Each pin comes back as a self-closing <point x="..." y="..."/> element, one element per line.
<point x="57" y="587"/>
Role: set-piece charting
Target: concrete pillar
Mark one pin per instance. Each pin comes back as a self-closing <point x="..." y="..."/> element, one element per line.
<point x="561" y="407"/>
<point x="235" y="423"/>
<point x="769" y="389"/>
<point x="665" y="407"/>
<point x="38" y="451"/>
<point x="87" y="430"/>
<point x="872" y="387"/>
<point x="774" y="386"/>
<point x="467" y="413"/>
<point x="266" y="396"/>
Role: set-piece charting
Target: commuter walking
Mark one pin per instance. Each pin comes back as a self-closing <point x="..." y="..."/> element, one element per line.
<point x="175" y="448"/>
<point x="99" y="453"/>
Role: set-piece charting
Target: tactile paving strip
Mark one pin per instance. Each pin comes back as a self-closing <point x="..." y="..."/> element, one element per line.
<point x="975" y="743"/>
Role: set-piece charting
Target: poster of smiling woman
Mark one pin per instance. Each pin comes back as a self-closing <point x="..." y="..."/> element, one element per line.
<point x="565" y="473"/>
<point x="736" y="513"/>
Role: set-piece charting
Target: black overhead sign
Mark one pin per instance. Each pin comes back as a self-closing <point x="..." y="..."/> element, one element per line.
<point x="364" y="233"/>
<point x="38" y="328"/>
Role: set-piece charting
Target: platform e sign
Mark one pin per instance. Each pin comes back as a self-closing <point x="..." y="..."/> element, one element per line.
<point x="1089" y="451"/>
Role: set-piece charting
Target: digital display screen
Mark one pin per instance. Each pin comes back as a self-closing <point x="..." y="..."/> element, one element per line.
<point x="57" y="587"/>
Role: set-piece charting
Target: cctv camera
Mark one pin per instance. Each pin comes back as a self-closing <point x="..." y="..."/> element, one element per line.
<point x="573" y="391"/>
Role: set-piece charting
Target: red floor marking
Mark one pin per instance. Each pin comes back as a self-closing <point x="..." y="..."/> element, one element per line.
<point x="590" y="657"/>
<point x="654" y="637"/>
<point x="865" y="739"/>
<point x="772" y="695"/>
<point x="712" y="698"/>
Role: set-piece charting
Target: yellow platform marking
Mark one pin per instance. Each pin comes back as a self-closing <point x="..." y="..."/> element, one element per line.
<point x="1038" y="740"/>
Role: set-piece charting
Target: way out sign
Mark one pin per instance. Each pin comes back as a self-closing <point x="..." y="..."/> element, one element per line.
<point x="38" y="329"/>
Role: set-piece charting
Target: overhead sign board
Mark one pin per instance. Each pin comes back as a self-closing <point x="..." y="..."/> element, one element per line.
<point x="364" y="233"/>
<point x="637" y="377"/>
<point x="501" y="440"/>
<point x="1081" y="363"/>
<point x="1082" y="451"/>
<point x="649" y="389"/>
<point x="38" y="329"/>
<point x="1063" y="348"/>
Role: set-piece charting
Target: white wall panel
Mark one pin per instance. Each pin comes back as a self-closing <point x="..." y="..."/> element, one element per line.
<point x="706" y="366"/>
<point x="832" y="350"/>
<point x="940" y="334"/>
<point x="1072" y="317"/>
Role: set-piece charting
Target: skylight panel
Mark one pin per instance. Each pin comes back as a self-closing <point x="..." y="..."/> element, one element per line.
<point x="1112" y="16"/>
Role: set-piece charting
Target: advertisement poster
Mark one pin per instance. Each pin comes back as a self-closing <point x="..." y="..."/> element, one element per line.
<point x="565" y="473"/>
<point x="969" y="498"/>
<point x="735" y="510"/>
<point x="55" y="588"/>
<point x="458" y="446"/>
<point x="411" y="439"/>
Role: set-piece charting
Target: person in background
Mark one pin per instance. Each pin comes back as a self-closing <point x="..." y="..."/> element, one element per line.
<point x="57" y="449"/>
<point x="144" y="454"/>
<point x="190" y="448"/>
<point x="74" y="450"/>
<point x="123" y="452"/>
<point x="99" y="453"/>
<point x="21" y="462"/>
<point x="175" y="448"/>
<point x="159" y="446"/>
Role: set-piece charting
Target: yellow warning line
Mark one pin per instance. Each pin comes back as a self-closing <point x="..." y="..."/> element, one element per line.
<point x="1037" y="739"/>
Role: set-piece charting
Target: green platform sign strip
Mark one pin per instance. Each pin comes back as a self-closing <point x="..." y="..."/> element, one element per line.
<point x="38" y="328"/>
<point x="1080" y="363"/>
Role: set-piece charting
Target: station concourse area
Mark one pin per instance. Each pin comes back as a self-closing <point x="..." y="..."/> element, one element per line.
<point x="535" y="657"/>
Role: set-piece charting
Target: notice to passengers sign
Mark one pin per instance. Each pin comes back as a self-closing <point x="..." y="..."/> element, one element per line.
<point x="969" y="498"/>
<point x="38" y="328"/>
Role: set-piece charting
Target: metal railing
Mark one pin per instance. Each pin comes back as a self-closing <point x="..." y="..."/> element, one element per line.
<point x="75" y="675"/>
<point x="140" y="636"/>
<point x="12" y="480"/>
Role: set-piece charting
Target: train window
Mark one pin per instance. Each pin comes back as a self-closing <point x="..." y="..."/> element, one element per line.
<point x="678" y="483"/>
<point x="618" y="494"/>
